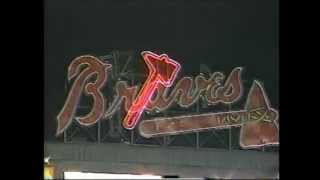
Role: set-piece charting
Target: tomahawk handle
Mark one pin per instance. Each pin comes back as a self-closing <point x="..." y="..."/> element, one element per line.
<point x="187" y="124"/>
<point x="141" y="101"/>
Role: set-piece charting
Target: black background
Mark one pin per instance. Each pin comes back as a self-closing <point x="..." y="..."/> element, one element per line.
<point x="221" y="34"/>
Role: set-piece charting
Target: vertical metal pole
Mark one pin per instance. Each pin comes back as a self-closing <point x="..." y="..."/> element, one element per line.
<point x="118" y="124"/>
<point x="99" y="132"/>
<point x="230" y="134"/>
<point x="65" y="136"/>
<point x="165" y="137"/>
<point x="65" y="132"/>
<point x="132" y="132"/>
<point x="115" y="58"/>
<point x="65" y="85"/>
<point x="197" y="133"/>
<point x="132" y="137"/>
<point x="230" y="139"/>
<point x="165" y="141"/>
<point x="197" y="140"/>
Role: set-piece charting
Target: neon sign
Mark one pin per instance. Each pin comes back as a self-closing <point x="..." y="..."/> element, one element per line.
<point x="258" y="120"/>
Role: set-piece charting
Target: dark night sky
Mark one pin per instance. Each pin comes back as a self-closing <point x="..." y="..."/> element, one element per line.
<point x="221" y="34"/>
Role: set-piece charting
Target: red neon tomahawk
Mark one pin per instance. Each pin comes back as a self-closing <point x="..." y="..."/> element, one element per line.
<point x="162" y="70"/>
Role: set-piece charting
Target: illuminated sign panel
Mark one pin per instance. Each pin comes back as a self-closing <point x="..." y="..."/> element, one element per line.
<point x="258" y="120"/>
<point x="48" y="172"/>
<point x="82" y="175"/>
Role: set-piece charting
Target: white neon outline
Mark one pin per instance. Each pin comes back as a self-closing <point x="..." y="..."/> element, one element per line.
<point x="170" y="61"/>
<point x="174" y="98"/>
<point x="58" y="132"/>
<point x="255" y="82"/>
<point x="198" y="93"/>
<point x="91" y="112"/>
<point x="192" y="92"/>
<point x="71" y="76"/>
<point x="240" y="69"/>
<point x="225" y="126"/>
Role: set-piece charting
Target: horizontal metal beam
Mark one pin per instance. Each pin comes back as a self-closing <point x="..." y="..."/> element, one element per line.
<point x="181" y="161"/>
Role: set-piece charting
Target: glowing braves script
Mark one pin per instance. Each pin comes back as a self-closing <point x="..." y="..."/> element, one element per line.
<point x="162" y="70"/>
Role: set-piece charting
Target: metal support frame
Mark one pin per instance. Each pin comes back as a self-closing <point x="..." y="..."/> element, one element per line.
<point x="65" y="140"/>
